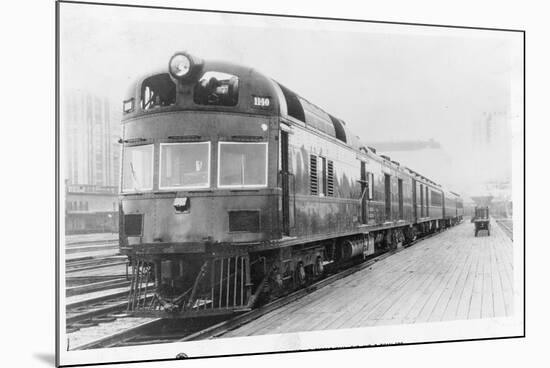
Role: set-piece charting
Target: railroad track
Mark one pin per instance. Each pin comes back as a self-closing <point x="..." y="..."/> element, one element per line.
<point x="92" y="263"/>
<point x="80" y="241"/>
<point x="153" y="331"/>
<point x="73" y="281"/>
<point x="90" y="287"/>
<point x="72" y="249"/>
<point x="507" y="226"/>
<point x="87" y="312"/>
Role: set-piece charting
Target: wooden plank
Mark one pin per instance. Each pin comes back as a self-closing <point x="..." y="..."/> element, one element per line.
<point x="506" y="282"/>
<point x="368" y="288"/>
<point x="314" y="304"/>
<point x="366" y="295"/>
<point x="498" y="295"/>
<point x="391" y="297"/>
<point x="445" y="295"/>
<point x="466" y="294"/>
<point x="456" y="283"/>
<point x="451" y="276"/>
<point x="378" y="292"/>
<point x="503" y="254"/>
<point x="487" y="303"/>
<point x="474" y="308"/>
<point x="450" y="310"/>
<point x="422" y="308"/>
<point x="399" y="311"/>
<point x="411" y="309"/>
<point x="445" y="280"/>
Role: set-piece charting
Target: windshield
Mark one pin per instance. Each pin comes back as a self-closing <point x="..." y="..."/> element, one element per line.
<point x="137" y="169"/>
<point x="242" y="164"/>
<point x="185" y="165"/>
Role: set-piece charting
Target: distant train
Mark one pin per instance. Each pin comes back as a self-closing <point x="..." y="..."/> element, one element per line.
<point x="235" y="189"/>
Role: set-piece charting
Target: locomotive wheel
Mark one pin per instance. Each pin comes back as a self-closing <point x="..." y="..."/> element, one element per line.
<point x="300" y="273"/>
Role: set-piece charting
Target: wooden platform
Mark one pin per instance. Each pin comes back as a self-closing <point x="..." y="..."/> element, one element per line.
<point x="452" y="276"/>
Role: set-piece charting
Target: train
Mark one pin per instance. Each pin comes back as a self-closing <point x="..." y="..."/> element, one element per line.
<point x="235" y="190"/>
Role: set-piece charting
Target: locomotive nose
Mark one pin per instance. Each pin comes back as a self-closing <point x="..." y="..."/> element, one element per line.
<point x="187" y="221"/>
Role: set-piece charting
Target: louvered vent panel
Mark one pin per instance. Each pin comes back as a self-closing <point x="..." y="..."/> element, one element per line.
<point x="330" y="179"/>
<point x="314" y="183"/>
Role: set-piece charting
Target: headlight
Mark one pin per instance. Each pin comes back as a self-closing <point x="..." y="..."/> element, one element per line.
<point x="180" y="65"/>
<point x="184" y="66"/>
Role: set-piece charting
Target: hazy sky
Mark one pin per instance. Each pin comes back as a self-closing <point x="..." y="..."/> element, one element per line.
<point x="388" y="82"/>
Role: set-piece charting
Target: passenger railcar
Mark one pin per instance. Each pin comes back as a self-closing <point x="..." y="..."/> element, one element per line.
<point x="234" y="188"/>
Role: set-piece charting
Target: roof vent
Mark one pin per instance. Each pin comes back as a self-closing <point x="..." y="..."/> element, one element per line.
<point x="293" y="104"/>
<point x="338" y="128"/>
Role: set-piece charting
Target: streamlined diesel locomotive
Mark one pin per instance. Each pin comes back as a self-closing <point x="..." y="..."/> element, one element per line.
<point x="234" y="189"/>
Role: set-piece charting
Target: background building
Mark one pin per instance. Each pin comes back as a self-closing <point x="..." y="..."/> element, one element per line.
<point x="92" y="129"/>
<point x="491" y="145"/>
<point x="90" y="209"/>
<point x="92" y="153"/>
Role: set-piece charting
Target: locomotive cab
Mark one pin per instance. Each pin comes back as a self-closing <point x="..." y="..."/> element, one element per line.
<point x="199" y="178"/>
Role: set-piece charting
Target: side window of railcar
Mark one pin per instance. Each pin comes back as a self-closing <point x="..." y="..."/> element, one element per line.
<point x="216" y="88"/>
<point x="158" y="91"/>
<point x="436" y="199"/>
<point x="370" y="177"/>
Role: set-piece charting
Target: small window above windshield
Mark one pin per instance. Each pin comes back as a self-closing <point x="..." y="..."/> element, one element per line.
<point x="158" y="91"/>
<point x="217" y="88"/>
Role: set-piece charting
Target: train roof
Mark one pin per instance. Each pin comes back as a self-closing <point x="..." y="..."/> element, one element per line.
<point x="291" y="106"/>
<point x="286" y="102"/>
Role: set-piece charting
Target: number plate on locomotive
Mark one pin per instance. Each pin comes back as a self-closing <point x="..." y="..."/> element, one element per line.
<point x="262" y="102"/>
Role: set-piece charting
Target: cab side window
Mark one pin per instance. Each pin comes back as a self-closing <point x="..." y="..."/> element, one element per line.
<point x="216" y="88"/>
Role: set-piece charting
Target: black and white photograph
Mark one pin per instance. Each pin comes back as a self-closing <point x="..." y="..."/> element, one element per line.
<point x="234" y="184"/>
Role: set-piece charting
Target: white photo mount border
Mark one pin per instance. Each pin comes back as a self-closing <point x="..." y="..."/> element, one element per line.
<point x="489" y="329"/>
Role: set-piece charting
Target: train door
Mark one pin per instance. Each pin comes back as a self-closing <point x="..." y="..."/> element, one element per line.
<point x="287" y="186"/>
<point x="387" y="191"/>
<point x="421" y="200"/>
<point x="415" y="214"/>
<point x="400" y="197"/>
<point x="427" y="197"/>
<point x="364" y="193"/>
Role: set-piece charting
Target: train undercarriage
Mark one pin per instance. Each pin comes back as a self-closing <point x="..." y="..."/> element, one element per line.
<point x="191" y="285"/>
